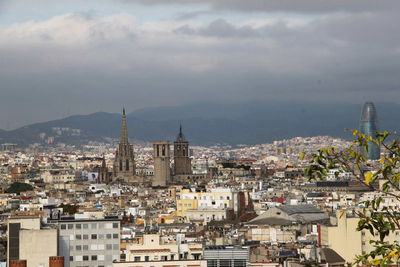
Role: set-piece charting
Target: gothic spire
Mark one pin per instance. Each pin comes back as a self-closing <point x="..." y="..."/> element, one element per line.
<point x="124" y="130"/>
<point x="180" y="137"/>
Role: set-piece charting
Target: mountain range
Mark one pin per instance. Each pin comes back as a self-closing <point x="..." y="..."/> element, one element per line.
<point x="208" y="123"/>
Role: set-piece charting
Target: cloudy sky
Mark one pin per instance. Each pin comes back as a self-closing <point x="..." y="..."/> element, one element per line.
<point x="59" y="58"/>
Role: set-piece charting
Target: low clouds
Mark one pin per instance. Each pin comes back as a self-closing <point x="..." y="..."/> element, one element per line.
<point x="82" y="63"/>
<point x="293" y="6"/>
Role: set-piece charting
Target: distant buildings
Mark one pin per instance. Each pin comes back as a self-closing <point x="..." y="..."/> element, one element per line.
<point x="369" y="127"/>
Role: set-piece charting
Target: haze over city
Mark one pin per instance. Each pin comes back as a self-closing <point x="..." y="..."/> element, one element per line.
<point x="60" y="58"/>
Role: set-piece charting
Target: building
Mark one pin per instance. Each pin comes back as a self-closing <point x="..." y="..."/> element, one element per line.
<point x="153" y="248"/>
<point x="182" y="164"/>
<point x="227" y="256"/>
<point x="26" y="238"/>
<point x="89" y="242"/>
<point x="344" y="238"/>
<point x="369" y="127"/>
<point x="162" y="170"/>
<point x="124" y="163"/>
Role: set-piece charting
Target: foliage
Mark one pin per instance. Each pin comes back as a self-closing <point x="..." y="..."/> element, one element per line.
<point x="68" y="208"/>
<point x="17" y="188"/>
<point x="373" y="217"/>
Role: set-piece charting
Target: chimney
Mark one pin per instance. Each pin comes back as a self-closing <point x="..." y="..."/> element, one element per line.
<point x="56" y="261"/>
<point x="18" y="263"/>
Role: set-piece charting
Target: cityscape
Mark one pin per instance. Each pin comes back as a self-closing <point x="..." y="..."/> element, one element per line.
<point x="199" y="133"/>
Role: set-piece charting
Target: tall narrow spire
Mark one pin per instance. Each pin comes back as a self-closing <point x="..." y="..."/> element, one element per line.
<point x="180" y="136"/>
<point x="124" y="130"/>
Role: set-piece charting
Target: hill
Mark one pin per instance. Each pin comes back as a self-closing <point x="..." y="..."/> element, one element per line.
<point x="209" y="123"/>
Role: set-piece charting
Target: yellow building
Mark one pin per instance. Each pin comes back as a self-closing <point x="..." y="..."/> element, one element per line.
<point x="215" y="199"/>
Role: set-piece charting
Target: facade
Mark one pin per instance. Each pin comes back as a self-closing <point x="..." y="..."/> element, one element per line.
<point x="152" y="248"/>
<point x="205" y="204"/>
<point x="31" y="246"/>
<point x="85" y="242"/>
<point x="162" y="170"/>
<point x="14" y="226"/>
<point x="182" y="164"/>
<point x="369" y="127"/>
<point x="227" y="256"/>
<point x="124" y="163"/>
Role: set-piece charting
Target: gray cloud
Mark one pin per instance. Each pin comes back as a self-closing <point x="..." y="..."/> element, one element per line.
<point x="296" y="6"/>
<point x="77" y="63"/>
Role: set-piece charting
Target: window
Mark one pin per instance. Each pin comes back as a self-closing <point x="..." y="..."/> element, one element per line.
<point x="115" y="225"/>
<point x="115" y="246"/>
<point x="85" y="257"/>
<point x="85" y="247"/>
<point x="127" y="164"/>
<point x="70" y="226"/>
<point x="78" y="237"/>
<point x="115" y="236"/>
<point x="108" y="236"/>
<point x="78" y="226"/>
<point x="71" y="258"/>
<point x="164" y="258"/>
<point x="63" y="226"/>
<point x="172" y="257"/>
<point x="109" y="246"/>
<point x="120" y="165"/>
<point x="94" y="257"/>
<point x="94" y="225"/>
<point x="137" y="258"/>
<point x="101" y="236"/>
<point x="85" y="226"/>
<point x="78" y="247"/>
<point x="85" y="236"/>
<point x="94" y="236"/>
<point x="146" y="258"/>
<point x="101" y="226"/>
<point x="196" y="256"/>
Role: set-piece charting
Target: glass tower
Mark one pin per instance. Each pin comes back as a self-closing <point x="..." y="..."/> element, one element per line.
<point x="369" y="127"/>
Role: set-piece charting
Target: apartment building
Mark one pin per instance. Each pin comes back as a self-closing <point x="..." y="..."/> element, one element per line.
<point x="89" y="242"/>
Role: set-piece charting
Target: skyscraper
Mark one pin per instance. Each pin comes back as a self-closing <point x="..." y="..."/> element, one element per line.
<point x="124" y="163"/>
<point x="369" y="127"/>
<point x="182" y="164"/>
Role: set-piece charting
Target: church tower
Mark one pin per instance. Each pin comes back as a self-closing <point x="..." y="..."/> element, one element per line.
<point x="162" y="171"/>
<point x="182" y="164"/>
<point x="124" y="163"/>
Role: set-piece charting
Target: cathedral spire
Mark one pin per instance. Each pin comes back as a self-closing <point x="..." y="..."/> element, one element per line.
<point x="180" y="136"/>
<point x="124" y="130"/>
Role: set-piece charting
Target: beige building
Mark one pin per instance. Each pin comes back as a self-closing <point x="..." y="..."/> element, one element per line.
<point x="25" y="241"/>
<point x="347" y="241"/>
<point x="32" y="248"/>
<point x="152" y="248"/>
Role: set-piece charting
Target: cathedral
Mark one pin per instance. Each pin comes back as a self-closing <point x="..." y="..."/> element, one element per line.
<point x="124" y="162"/>
<point x="124" y="168"/>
